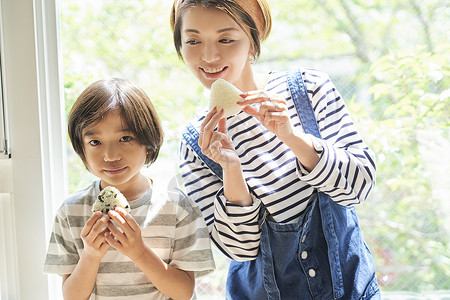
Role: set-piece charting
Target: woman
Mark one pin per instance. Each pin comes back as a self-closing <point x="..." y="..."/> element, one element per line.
<point x="281" y="205"/>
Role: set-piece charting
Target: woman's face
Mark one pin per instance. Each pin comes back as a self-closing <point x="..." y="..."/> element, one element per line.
<point x="215" y="46"/>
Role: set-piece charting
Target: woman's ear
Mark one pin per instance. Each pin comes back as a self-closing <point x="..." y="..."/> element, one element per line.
<point x="252" y="54"/>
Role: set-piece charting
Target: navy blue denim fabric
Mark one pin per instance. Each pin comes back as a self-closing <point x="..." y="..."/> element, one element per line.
<point x="322" y="256"/>
<point x="293" y="263"/>
<point x="285" y="263"/>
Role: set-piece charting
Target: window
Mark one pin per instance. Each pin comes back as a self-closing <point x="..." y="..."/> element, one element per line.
<point x="389" y="60"/>
<point x="4" y="140"/>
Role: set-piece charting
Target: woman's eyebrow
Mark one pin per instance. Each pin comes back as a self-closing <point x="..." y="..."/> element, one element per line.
<point x="218" y="31"/>
<point x="227" y="29"/>
<point x="191" y="30"/>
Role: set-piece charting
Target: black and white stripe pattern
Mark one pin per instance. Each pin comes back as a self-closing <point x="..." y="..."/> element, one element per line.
<point x="345" y="171"/>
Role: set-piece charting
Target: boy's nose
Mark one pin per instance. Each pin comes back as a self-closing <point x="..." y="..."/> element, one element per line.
<point x="111" y="154"/>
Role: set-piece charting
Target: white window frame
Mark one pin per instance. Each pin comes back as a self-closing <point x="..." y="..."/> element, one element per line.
<point x="36" y="174"/>
<point x="4" y="131"/>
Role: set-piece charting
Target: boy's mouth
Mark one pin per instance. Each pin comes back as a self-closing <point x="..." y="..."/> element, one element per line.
<point x="115" y="170"/>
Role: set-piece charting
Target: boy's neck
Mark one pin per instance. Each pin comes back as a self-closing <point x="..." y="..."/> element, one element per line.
<point x="134" y="190"/>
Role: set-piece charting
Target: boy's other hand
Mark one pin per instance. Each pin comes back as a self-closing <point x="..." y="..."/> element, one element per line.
<point x="93" y="235"/>
<point x="128" y="241"/>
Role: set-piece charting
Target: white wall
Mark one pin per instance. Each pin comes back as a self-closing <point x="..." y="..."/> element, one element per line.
<point x="34" y="173"/>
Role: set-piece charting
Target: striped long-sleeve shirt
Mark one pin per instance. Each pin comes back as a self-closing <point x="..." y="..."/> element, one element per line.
<point x="345" y="170"/>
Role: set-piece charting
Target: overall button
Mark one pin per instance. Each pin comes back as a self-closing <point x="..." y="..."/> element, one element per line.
<point x="305" y="255"/>
<point x="312" y="273"/>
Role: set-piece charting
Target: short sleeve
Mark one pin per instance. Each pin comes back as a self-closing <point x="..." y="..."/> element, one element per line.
<point x="192" y="245"/>
<point x="62" y="255"/>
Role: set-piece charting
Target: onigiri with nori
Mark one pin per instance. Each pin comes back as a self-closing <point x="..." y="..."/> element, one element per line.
<point x="110" y="198"/>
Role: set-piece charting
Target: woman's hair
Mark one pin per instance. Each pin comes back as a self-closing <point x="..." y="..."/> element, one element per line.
<point x="108" y="95"/>
<point x="253" y="16"/>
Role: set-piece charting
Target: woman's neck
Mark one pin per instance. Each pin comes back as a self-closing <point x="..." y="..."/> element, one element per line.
<point x="253" y="81"/>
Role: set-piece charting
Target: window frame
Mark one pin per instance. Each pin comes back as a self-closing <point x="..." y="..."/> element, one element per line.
<point x="32" y="87"/>
<point x="5" y="151"/>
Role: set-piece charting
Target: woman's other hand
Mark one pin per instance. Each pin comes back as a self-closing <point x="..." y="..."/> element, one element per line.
<point x="271" y="112"/>
<point x="216" y="144"/>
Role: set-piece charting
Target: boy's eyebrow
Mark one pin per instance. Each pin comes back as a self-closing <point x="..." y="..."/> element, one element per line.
<point x="93" y="132"/>
<point x="88" y="133"/>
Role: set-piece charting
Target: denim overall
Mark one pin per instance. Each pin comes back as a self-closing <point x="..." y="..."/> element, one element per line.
<point x="321" y="256"/>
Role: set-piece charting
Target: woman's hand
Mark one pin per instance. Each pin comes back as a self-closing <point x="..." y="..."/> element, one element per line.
<point x="216" y="144"/>
<point x="128" y="241"/>
<point x="93" y="236"/>
<point x="272" y="112"/>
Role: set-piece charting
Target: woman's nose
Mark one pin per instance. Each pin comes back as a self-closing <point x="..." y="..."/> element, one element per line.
<point x="210" y="53"/>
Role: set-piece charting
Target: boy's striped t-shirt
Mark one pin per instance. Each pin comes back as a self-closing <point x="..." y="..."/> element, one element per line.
<point x="172" y="226"/>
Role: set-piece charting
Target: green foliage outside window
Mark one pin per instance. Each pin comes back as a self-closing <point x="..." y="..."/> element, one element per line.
<point x="389" y="60"/>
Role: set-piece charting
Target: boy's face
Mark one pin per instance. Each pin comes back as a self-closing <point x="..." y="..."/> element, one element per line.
<point x="113" y="153"/>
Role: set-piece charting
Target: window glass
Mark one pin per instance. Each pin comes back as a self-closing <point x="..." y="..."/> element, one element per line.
<point x="4" y="142"/>
<point x="389" y="60"/>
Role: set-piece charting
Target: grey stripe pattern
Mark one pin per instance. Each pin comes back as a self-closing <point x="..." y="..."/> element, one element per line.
<point x="172" y="226"/>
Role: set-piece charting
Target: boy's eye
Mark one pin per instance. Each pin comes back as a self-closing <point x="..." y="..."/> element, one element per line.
<point x="94" y="143"/>
<point x="126" y="138"/>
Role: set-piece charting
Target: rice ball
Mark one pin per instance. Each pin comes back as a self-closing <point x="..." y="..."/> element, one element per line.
<point x="110" y="198"/>
<point x="225" y="95"/>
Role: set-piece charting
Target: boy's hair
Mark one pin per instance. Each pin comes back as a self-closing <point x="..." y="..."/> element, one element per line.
<point x="104" y="96"/>
<point x="243" y="18"/>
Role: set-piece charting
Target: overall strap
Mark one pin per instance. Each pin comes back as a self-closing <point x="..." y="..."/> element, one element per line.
<point x="308" y="120"/>
<point x="191" y="135"/>
<point x="302" y="103"/>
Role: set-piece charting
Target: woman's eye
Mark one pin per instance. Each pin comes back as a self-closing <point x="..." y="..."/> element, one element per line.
<point x="226" y="41"/>
<point x="192" y="42"/>
<point x="94" y="143"/>
<point x="126" y="138"/>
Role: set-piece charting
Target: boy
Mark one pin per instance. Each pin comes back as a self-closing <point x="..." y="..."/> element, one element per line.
<point x="152" y="252"/>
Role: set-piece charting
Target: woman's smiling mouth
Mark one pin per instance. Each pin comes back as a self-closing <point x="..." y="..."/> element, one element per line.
<point x="212" y="70"/>
<point x="213" y="73"/>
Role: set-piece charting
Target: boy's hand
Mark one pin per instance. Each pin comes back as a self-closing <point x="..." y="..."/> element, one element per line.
<point x="93" y="236"/>
<point x="128" y="242"/>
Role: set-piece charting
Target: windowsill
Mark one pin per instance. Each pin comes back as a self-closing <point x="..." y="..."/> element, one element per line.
<point x="5" y="156"/>
<point x="5" y="175"/>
